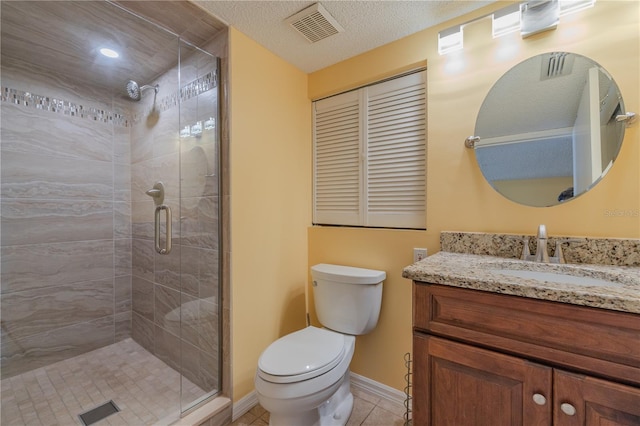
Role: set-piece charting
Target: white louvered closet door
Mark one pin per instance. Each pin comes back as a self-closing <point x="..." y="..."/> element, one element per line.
<point x="370" y="155"/>
<point x="395" y="144"/>
<point x="337" y="160"/>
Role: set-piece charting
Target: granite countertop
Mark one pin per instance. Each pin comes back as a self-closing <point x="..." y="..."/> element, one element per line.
<point x="478" y="272"/>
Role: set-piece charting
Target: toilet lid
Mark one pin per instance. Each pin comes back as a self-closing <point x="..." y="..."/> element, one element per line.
<point x="301" y="355"/>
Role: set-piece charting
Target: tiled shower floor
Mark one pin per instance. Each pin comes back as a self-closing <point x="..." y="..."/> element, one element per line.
<point x="146" y="390"/>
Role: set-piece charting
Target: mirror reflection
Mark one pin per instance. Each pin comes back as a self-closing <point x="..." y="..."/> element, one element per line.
<point x="548" y="129"/>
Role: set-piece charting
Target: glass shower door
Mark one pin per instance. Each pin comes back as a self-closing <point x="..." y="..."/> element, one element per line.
<point x="199" y="229"/>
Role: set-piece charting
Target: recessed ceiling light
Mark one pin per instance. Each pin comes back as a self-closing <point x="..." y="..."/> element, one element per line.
<point x="109" y="53"/>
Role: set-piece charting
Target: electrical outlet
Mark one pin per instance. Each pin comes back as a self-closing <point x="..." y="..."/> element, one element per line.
<point x="419" y="254"/>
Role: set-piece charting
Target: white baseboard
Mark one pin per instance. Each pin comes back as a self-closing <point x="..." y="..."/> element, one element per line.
<point x="244" y="404"/>
<point x="376" y="388"/>
<point x="360" y="382"/>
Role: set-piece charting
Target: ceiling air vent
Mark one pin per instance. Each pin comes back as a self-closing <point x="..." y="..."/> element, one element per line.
<point x="314" y="23"/>
<point x="556" y="64"/>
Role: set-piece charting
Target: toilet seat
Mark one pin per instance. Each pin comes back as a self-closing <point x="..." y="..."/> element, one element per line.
<point x="301" y="355"/>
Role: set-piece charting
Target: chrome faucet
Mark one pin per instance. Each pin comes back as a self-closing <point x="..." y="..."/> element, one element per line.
<point x="541" y="245"/>
<point x="542" y="255"/>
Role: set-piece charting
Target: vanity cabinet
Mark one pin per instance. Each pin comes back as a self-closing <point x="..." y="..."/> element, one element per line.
<point x="490" y="359"/>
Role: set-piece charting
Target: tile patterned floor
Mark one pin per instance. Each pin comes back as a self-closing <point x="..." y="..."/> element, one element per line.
<point x="144" y="388"/>
<point x="368" y="410"/>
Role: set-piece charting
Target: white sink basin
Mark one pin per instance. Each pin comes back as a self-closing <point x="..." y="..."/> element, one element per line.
<point x="557" y="278"/>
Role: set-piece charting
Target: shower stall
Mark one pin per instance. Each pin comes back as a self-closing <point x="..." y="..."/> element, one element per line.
<point x="110" y="215"/>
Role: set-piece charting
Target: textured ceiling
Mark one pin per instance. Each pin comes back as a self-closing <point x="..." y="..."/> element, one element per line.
<point x="367" y="24"/>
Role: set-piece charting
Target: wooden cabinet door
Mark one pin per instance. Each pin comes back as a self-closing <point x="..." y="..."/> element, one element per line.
<point x="461" y="385"/>
<point x="589" y="401"/>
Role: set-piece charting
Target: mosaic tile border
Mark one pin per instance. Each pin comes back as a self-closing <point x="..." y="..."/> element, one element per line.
<point x="61" y="106"/>
<point x="190" y="90"/>
<point x="72" y="109"/>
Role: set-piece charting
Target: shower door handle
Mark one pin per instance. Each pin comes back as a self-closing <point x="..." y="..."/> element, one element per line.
<point x="167" y="214"/>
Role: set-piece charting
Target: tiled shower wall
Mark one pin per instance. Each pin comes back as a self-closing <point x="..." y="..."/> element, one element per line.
<point x="65" y="227"/>
<point x="182" y="285"/>
<point x="79" y="269"/>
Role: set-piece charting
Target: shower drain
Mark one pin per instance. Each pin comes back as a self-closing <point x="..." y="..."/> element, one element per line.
<point x="100" y="412"/>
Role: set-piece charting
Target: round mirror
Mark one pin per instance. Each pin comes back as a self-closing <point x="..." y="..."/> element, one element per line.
<point x="547" y="129"/>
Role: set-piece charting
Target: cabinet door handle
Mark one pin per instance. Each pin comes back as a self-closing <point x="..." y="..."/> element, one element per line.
<point x="539" y="399"/>
<point x="568" y="409"/>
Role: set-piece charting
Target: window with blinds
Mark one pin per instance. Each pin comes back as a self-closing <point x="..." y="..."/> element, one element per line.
<point x="370" y="155"/>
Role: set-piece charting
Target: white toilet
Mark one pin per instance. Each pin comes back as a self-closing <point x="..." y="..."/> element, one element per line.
<point x="303" y="377"/>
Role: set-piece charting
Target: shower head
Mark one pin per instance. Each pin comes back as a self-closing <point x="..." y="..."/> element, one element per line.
<point x="134" y="91"/>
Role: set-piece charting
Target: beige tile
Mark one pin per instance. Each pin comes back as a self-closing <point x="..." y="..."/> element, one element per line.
<point x="43" y="265"/>
<point x="361" y="409"/>
<point x="358" y="393"/>
<point x="397" y="409"/>
<point x="382" y="417"/>
<point x="368" y="410"/>
<point x="30" y="312"/>
<point x="144" y="387"/>
<point x="245" y="420"/>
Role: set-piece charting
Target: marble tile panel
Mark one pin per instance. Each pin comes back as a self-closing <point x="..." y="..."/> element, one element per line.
<point x="142" y="258"/>
<point x="191" y="322"/>
<point x="121" y="220"/>
<point x="141" y="141"/>
<point x="142" y="179"/>
<point x="167" y="169"/>
<point x="200" y="224"/>
<point x="40" y="177"/>
<point x="209" y="379"/>
<point x="166" y="134"/>
<point x="122" y="143"/>
<point x="122" y="326"/>
<point x="33" y="131"/>
<point x="167" y="347"/>
<point x="209" y="327"/>
<point x="29" y="312"/>
<point x="43" y="265"/>
<point x="191" y="365"/>
<point x="196" y="173"/>
<point x="189" y="111"/>
<point x="122" y="257"/>
<point x="142" y="219"/>
<point x="142" y="298"/>
<point x="209" y="274"/>
<point x="207" y="103"/>
<point x="167" y="309"/>
<point x="43" y="221"/>
<point x="123" y="294"/>
<point x="122" y="182"/>
<point x="212" y="186"/>
<point x="41" y="81"/>
<point x="167" y="268"/>
<point x="142" y="331"/>
<point x="20" y="355"/>
<point x="190" y="274"/>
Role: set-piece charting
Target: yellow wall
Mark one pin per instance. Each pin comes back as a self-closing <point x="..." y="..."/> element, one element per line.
<point x="270" y="172"/>
<point x="458" y="197"/>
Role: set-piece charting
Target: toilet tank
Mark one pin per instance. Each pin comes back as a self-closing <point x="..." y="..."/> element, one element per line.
<point x="347" y="299"/>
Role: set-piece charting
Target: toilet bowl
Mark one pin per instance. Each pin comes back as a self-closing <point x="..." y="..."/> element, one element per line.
<point x="314" y="394"/>
<point x="303" y="378"/>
